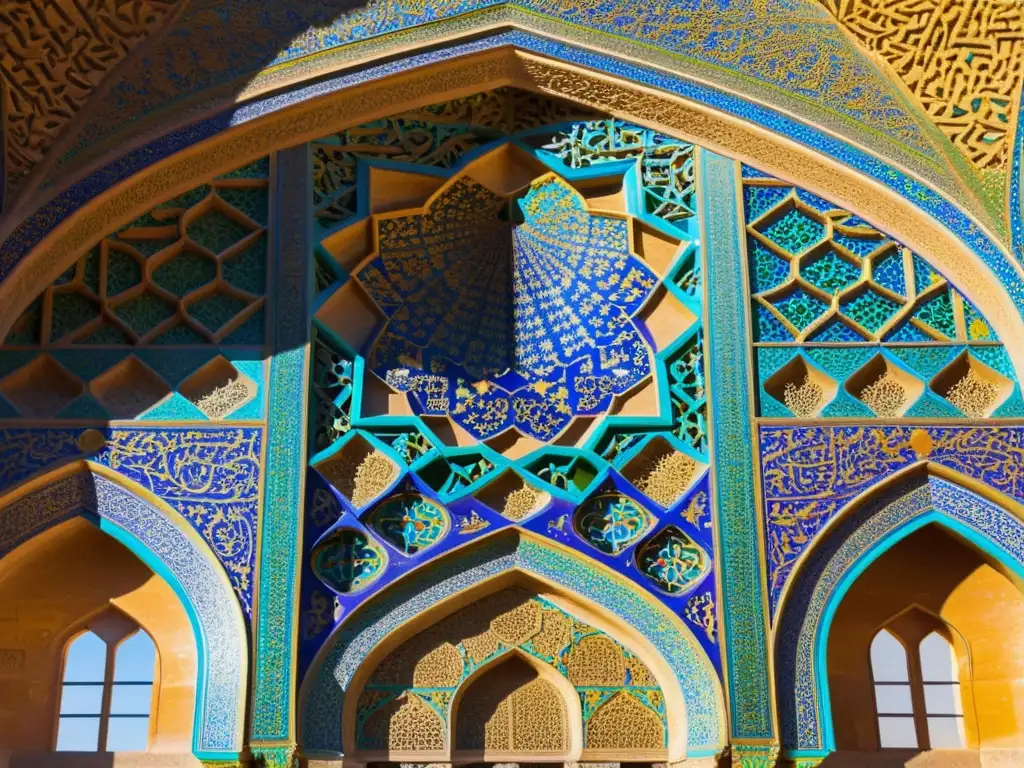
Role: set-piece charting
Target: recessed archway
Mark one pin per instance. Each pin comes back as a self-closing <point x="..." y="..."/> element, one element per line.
<point x="71" y="580"/>
<point x="513" y="561"/>
<point x="170" y="548"/>
<point x="675" y="108"/>
<point x="979" y="531"/>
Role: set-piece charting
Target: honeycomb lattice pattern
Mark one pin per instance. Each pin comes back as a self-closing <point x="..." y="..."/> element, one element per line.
<point x="661" y="472"/>
<point x="973" y="395"/>
<point x="190" y="271"/>
<point x="821" y="279"/>
<point x="805" y="253"/>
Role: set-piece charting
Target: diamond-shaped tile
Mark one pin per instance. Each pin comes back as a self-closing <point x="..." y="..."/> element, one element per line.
<point x="218" y="388"/>
<point x="662" y="473"/>
<point x="884" y="387"/>
<point x="972" y="386"/>
<point x="869" y="309"/>
<point x="144" y="312"/>
<point x="512" y="496"/>
<point x="360" y="471"/>
<point x="216" y="309"/>
<point x="799" y="307"/>
<point x="793" y="231"/>
<point x="129" y="389"/>
<point x="803" y="388"/>
<point x="831" y="272"/>
<point x="185" y="271"/>
<point x="41" y="388"/>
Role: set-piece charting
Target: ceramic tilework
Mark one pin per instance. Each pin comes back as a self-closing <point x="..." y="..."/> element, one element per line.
<point x="275" y="631"/>
<point x="696" y="33"/>
<point x="499" y="275"/>
<point x="34" y="228"/>
<point x="385" y="688"/>
<point x="223" y="642"/>
<point x="210" y="475"/>
<point x="804" y="252"/>
<point x="809" y="474"/>
<point x="324" y="692"/>
<point x="801" y="708"/>
<point x="746" y="642"/>
<point x="659" y="188"/>
<point x="1015" y="202"/>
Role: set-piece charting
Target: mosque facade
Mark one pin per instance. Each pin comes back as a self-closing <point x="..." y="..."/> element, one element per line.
<point x="511" y="382"/>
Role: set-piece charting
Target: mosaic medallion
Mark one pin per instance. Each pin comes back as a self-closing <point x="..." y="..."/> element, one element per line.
<point x="508" y="313"/>
<point x="612" y="522"/>
<point x="348" y="561"/>
<point x="412" y="523"/>
<point x="672" y="560"/>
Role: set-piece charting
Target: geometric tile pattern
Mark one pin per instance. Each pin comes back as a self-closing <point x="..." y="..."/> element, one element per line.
<point x="516" y="342"/>
<point x="133" y="329"/>
<point x="849" y="323"/>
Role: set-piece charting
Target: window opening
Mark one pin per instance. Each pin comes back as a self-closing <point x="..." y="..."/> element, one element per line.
<point x="893" y="701"/>
<point x="942" y="702"/>
<point x="107" y="693"/>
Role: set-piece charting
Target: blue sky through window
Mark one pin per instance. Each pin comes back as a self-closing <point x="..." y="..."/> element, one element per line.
<point x="81" y="709"/>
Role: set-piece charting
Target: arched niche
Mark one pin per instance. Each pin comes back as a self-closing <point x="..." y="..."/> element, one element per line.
<point x="951" y="229"/>
<point x="514" y="560"/>
<point x="170" y="548"/>
<point x="918" y="504"/>
<point x="70" y="580"/>
<point x="515" y="707"/>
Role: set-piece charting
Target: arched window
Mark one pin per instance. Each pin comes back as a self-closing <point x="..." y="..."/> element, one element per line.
<point x="918" y="703"/>
<point x="107" y="693"/>
<point x="943" y="706"/>
<point x="893" y="700"/>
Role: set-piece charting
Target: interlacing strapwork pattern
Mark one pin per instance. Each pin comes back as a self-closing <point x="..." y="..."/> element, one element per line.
<point x="142" y="313"/>
<point x="436" y="136"/>
<point x="53" y="58"/>
<point x="962" y="58"/>
<point x="507" y="331"/>
<point x="524" y="713"/>
<point x="849" y="322"/>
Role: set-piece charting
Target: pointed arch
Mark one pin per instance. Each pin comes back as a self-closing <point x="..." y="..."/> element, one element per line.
<point x="693" y="692"/>
<point x="170" y="547"/>
<point x="859" y="538"/>
<point x="935" y="216"/>
<point x="544" y="672"/>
